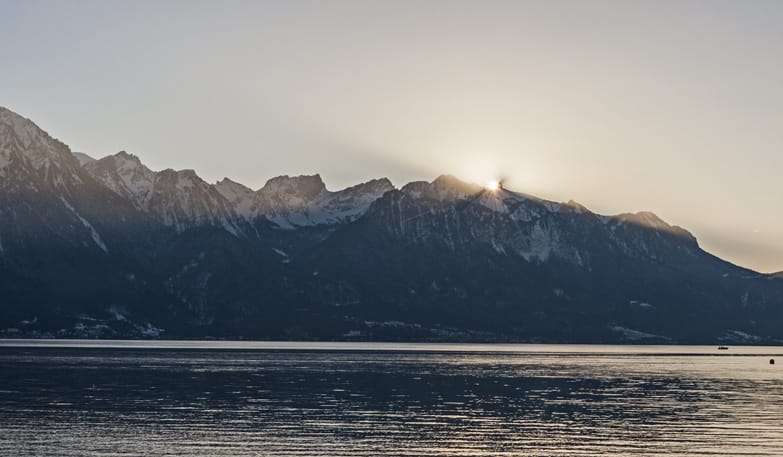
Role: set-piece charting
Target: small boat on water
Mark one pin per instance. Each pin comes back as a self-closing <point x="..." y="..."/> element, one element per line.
<point x="723" y="348"/>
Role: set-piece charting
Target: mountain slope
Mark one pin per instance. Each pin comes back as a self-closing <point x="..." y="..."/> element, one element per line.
<point x="178" y="199"/>
<point x="66" y="241"/>
<point x="110" y="248"/>
<point x="503" y="261"/>
<point x="300" y="201"/>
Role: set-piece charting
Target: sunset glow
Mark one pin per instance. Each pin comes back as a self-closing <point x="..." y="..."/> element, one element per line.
<point x="412" y="90"/>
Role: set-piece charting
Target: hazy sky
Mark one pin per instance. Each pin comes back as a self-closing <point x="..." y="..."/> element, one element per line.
<point x="670" y="106"/>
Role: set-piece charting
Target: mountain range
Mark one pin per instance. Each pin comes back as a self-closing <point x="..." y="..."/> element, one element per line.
<point x="109" y="248"/>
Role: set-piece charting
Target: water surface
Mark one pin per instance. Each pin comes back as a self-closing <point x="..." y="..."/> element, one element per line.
<point x="120" y="398"/>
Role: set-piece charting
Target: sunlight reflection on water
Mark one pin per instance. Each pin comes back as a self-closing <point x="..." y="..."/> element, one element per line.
<point x="243" y="399"/>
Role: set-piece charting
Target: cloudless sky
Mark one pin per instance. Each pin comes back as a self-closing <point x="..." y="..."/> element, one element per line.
<point x="670" y="106"/>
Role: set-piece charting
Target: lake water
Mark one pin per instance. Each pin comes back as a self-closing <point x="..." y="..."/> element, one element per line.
<point x="88" y="398"/>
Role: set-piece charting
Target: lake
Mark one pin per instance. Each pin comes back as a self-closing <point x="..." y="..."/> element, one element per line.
<point x="157" y="398"/>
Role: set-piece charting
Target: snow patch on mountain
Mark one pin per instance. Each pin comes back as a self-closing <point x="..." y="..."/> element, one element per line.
<point x="21" y="139"/>
<point x="25" y="131"/>
<point x="641" y="304"/>
<point x="543" y="242"/>
<point x="738" y="336"/>
<point x="96" y="237"/>
<point x="179" y="199"/>
<point x="285" y="257"/>
<point x="348" y="204"/>
<point x="182" y="200"/>
<point x="127" y="176"/>
<point x="242" y="198"/>
<point x="635" y="335"/>
<point x="292" y="202"/>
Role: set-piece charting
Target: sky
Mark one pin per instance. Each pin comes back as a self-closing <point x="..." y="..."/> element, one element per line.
<point x="623" y="106"/>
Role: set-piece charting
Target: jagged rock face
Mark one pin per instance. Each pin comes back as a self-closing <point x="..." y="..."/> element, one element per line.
<point x="29" y="156"/>
<point x="183" y="200"/>
<point x="309" y="207"/>
<point x="285" y="192"/>
<point x="178" y="199"/>
<point x="241" y="198"/>
<point x="434" y="260"/>
<point x="124" y="174"/>
<point x="302" y="201"/>
<point x="348" y="204"/>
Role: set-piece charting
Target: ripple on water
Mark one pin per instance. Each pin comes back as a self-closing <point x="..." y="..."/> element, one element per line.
<point x="198" y="402"/>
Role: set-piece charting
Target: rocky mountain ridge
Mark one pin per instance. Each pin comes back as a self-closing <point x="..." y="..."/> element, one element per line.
<point x="109" y="248"/>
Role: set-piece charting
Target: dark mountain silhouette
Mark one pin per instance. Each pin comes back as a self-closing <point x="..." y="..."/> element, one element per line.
<point x="110" y="248"/>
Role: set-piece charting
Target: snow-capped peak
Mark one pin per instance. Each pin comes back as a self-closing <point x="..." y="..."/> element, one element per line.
<point x="22" y="141"/>
<point x="182" y="199"/>
<point x="25" y="130"/>
<point x="292" y="202"/>
<point x="177" y="198"/>
<point x="125" y="175"/>
<point x="241" y="197"/>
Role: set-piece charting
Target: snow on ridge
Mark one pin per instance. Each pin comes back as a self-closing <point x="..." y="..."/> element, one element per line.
<point x="242" y="198"/>
<point x="125" y="175"/>
<point x="177" y="198"/>
<point x="22" y="136"/>
<point x="24" y="129"/>
<point x="83" y="158"/>
<point x="288" y="201"/>
<point x="186" y="178"/>
<point x="298" y="201"/>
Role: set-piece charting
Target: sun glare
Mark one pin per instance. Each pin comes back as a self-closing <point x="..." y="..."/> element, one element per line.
<point x="493" y="185"/>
